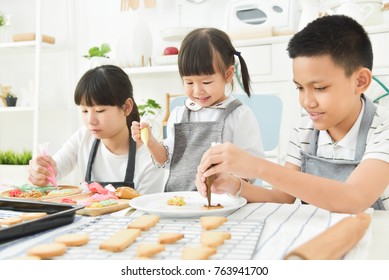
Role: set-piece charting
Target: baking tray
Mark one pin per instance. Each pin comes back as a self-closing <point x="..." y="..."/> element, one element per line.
<point x="73" y="189"/>
<point x="57" y="215"/>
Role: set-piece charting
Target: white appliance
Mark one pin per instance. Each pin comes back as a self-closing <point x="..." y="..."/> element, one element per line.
<point x="247" y="19"/>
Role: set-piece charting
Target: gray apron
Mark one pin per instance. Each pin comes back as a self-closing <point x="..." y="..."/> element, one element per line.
<point x="340" y="169"/>
<point x="192" y="139"/>
<point x="130" y="170"/>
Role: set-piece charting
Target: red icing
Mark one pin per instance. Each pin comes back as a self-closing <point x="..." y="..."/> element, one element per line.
<point x="15" y="193"/>
<point x="69" y="201"/>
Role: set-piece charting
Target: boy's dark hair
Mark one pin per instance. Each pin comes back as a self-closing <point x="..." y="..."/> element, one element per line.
<point x="340" y="37"/>
<point x="106" y="85"/>
<point x="204" y="46"/>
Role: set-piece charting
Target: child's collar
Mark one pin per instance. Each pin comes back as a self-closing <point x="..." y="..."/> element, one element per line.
<point x="193" y="106"/>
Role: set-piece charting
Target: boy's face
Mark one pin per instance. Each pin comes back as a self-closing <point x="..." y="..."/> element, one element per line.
<point x="331" y="99"/>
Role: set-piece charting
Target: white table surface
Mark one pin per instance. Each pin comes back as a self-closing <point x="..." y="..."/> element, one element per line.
<point x="286" y="227"/>
<point x="379" y="246"/>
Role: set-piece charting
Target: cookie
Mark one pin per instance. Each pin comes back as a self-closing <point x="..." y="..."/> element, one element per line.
<point x="197" y="253"/>
<point x="126" y="193"/>
<point x="11" y="221"/>
<point x="214" y="238"/>
<point x="28" y="258"/>
<point x="169" y="237"/>
<point x="47" y="251"/>
<point x="149" y="249"/>
<point x="120" y="240"/>
<point x="73" y="239"/>
<point x="32" y="215"/>
<point x="144" y="222"/>
<point x="212" y="222"/>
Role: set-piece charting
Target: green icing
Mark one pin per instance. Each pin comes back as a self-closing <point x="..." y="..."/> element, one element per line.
<point x="108" y="202"/>
<point x="27" y="187"/>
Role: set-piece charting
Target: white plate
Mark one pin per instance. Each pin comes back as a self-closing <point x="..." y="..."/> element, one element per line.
<point x="157" y="204"/>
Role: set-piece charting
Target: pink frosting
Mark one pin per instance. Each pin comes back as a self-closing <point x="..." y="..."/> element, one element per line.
<point x="100" y="197"/>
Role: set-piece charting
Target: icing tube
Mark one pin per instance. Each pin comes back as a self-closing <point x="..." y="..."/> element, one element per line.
<point x="43" y="152"/>
<point x="335" y="242"/>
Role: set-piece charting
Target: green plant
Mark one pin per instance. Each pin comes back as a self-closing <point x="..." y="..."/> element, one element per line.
<point x="151" y="107"/>
<point x="14" y="158"/>
<point x="9" y="95"/>
<point x="99" y="52"/>
<point x="2" y="20"/>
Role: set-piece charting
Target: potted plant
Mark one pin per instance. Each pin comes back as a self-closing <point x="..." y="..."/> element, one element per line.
<point x="3" y="33"/>
<point x="149" y="109"/>
<point x="2" y="20"/>
<point x="98" y="55"/>
<point x="148" y="112"/>
<point x="9" y="99"/>
<point x="10" y="157"/>
<point x="14" y="167"/>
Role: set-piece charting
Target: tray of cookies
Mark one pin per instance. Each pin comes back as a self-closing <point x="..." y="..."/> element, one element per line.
<point x="95" y="204"/>
<point x="19" y="217"/>
<point x="31" y="192"/>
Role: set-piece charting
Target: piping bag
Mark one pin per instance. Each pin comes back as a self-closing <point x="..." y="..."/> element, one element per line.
<point x="43" y="148"/>
<point x="209" y="181"/>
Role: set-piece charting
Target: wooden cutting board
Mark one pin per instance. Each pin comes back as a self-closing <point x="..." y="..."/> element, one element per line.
<point x="122" y="204"/>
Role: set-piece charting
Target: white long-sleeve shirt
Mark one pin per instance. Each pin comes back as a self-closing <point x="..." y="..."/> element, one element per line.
<point x="107" y="166"/>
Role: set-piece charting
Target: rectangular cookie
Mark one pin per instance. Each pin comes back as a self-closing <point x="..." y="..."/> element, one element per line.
<point x="144" y="222"/>
<point x="120" y="240"/>
<point x="212" y="222"/>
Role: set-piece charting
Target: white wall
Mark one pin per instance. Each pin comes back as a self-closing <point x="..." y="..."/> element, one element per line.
<point x="78" y="25"/>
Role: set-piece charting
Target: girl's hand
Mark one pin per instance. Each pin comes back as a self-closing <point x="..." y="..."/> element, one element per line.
<point x="136" y="128"/>
<point x="38" y="170"/>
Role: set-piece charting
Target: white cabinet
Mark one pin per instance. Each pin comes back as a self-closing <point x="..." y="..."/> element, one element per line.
<point x="25" y="67"/>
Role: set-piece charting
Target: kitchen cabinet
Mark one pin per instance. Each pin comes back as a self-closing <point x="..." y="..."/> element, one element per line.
<point x="25" y="66"/>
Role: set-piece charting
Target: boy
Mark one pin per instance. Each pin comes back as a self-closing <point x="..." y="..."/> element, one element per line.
<point x="338" y="156"/>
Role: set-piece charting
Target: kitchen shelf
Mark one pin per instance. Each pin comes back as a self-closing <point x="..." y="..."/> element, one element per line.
<point x="16" y="109"/>
<point x="25" y="47"/>
<point x="151" y="69"/>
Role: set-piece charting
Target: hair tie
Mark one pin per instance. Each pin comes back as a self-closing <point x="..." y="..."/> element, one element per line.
<point x="237" y="53"/>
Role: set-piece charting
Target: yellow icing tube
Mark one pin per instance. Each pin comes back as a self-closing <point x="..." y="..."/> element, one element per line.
<point x="144" y="135"/>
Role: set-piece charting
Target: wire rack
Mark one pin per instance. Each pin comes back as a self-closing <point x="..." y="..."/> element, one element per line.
<point x="244" y="239"/>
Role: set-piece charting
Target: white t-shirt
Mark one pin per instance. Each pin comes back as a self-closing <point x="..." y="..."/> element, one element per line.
<point x="241" y="127"/>
<point x="107" y="166"/>
<point x="377" y="142"/>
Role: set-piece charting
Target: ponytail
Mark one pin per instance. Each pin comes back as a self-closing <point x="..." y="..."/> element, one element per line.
<point x="245" y="74"/>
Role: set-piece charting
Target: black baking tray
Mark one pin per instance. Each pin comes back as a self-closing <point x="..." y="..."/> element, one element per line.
<point x="58" y="214"/>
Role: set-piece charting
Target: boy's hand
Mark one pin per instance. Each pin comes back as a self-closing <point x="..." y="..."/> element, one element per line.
<point x="223" y="183"/>
<point x="39" y="170"/>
